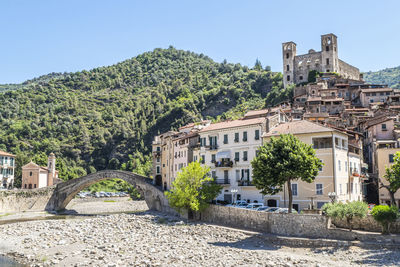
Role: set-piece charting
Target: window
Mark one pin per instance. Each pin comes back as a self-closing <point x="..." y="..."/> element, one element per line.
<point x="319" y="189"/>
<point x="244" y="136"/>
<point x="176" y="167"/>
<point x="236" y="137"/>
<point x="391" y="158"/>
<point x="320" y="169"/>
<point x="287" y="55"/>
<point x="327" y="63"/>
<point x="345" y="166"/>
<point x="384" y="128"/>
<point x="203" y="159"/>
<point x="340" y="189"/>
<point x="321" y="143"/>
<point x="158" y="169"/>
<point x="237" y="175"/>
<point x="320" y="204"/>
<point x="30" y="173"/>
<point x="237" y="156"/>
<point x="213" y="174"/>
<point x="203" y="141"/>
<point x="381" y="94"/>
<point x="371" y="101"/>
<point x="226" y="175"/>
<point x="351" y="187"/>
<point x="327" y="49"/>
<point x="25" y="186"/>
<point x="212" y="158"/>
<point x="158" y="160"/>
<point x="294" y="189"/>
<point x="387" y="93"/>
<point x="339" y="165"/>
<point x="34" y="186"/>
<point x="225" y="139"/>
<point x="194" y="158"/>
<point x="158" y="148"/>
<point x="368" y="94"/>
<point x="257" y="135"/>
<point x="301" y="78"/>
<point x="288" y="78"/>
<point x="244" y="155"/>
<point x="213" y="141"/>
<point x="287" y="67"/>
<point x="373" y="94"/>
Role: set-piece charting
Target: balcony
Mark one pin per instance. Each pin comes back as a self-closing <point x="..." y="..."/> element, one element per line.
<point x="245" y="183"/>
<point x="212" y="147"/>
<point x="221" y="180"/>
<point x="224" y="163"/>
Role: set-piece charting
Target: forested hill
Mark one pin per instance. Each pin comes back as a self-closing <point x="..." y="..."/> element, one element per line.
<point x="389" y="76"/>
<point x="107" y="117"/>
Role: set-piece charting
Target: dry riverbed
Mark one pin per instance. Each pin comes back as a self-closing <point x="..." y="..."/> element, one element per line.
<point x="154" y="239"/>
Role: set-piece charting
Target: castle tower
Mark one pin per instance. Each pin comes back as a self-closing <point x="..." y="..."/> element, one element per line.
<point x="288" y="55"/>
<point x="329" y="53"/>
<point x="51" y="166"/>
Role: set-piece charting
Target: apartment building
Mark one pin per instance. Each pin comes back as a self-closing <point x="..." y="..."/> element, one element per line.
<point x="7" y="170"/>
<point x="332" y="148"/>
<point x="228" y="148"/>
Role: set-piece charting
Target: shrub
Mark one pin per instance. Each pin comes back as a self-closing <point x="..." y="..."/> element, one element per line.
<point x="348" y="211"/>
<point x="385" y="215"/>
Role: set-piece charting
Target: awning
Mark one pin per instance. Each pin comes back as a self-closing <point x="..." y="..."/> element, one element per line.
<point x="224" y="155"/>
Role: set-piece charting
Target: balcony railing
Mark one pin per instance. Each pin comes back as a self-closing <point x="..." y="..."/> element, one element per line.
<point x="221" y="180"/>
<point x="245" y="183"/>
<point x="157" y="153"/>
<point x="227" y="163"/>
<point x="213" y="147"/>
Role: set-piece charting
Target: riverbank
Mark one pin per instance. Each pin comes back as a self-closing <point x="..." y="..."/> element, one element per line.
<point x="155" y="239"/>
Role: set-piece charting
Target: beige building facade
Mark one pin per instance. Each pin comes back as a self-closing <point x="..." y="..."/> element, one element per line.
<point x="331" y="147"/>
<point x="35" y="176"/>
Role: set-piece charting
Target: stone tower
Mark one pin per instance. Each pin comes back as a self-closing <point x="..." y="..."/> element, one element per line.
<point x="329" y="53"/>
<point x="51" y="166"/>
<point x="288" y="54"/>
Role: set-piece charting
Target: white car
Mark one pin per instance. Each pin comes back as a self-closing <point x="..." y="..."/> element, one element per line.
<point x="254" y="206"/>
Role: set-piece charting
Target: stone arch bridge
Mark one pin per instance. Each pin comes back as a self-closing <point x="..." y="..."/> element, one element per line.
<point x="64" y="192"/>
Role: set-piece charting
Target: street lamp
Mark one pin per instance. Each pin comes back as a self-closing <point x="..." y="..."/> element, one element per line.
<point x="332" y="196"/>
<point x="234" y="191"/>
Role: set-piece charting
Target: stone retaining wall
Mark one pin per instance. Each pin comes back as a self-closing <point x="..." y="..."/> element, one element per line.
<point x="25" y="200"/>
<point x="367" y="224"/>
<point x="298" y="225"/>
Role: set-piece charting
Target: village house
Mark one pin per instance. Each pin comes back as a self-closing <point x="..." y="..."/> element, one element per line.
<point x="340" y="174"/>
<point x="35" y="176"/>
<point x="7" y="170"/>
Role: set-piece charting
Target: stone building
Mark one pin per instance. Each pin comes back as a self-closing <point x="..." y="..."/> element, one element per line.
<point x="297" y="67"/>
<point x="35" y="176"/>
<point x="7" y="167"/>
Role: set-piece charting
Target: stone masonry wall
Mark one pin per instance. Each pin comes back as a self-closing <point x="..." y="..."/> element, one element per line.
<point x="299" y="225"/>
<point x="25" y="200"/>
<point x="367" y="224"/>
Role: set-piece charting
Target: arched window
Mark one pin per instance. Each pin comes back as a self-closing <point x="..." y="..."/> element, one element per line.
<point x="30" y="173"/>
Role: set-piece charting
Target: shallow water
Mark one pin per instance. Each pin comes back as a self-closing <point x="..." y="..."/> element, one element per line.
<point x="6" y="262"/>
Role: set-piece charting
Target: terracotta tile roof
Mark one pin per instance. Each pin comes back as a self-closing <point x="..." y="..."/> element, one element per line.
<point x="298" y="127"/>
<point x="3" y="153"/>
<point x="252" y="113"/>
<point x="371" y="90"/>
<point x="232" y="124"/>
<point x="377" y="120"/>
<point x="308" y="115"/>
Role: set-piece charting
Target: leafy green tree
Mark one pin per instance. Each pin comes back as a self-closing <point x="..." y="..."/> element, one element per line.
<point x="385" y="215"/>
<point x="193" y="189"/>
<point x="393" y="177"/>
<point x="347" y="211"/>
<point x="258" y="65"/>
<point x="281" y="161"/>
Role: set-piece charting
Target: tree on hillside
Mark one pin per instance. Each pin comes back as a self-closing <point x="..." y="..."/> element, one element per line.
<point x="193" y="189"/>
<point x="258" y="65"/>
<point x="281" y="161"/>
<point x="393" y="177"/>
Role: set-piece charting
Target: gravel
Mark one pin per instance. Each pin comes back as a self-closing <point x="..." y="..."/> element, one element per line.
<point x="155" y="239"/>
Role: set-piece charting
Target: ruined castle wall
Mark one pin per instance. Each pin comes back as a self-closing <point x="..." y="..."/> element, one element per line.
<point x="314" y="60"/>
<point x="348" y="71"/>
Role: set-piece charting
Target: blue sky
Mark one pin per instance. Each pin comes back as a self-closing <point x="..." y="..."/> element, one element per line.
<point x="39" y="37"/>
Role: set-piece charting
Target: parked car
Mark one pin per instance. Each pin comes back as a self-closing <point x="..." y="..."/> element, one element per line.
<point x="242" y="206"/>
<point x="253" y="206"/>
<point x="285" y="210"/>
<point x="272" y="209"/>
<point x="263" y="208"/>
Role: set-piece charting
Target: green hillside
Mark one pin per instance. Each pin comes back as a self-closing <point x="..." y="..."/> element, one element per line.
<point x="389" y="76"/>
<point x="107" y="117"/>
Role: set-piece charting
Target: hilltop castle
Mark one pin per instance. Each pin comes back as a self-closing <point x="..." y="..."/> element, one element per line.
<point x="297" y="67"/>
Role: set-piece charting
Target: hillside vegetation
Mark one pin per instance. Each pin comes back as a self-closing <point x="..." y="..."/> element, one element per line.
<point x="107" y="117"/>
<point x="389" y="76"/>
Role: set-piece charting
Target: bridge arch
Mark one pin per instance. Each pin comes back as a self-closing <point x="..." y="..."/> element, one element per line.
<point x="66" y="191"/>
